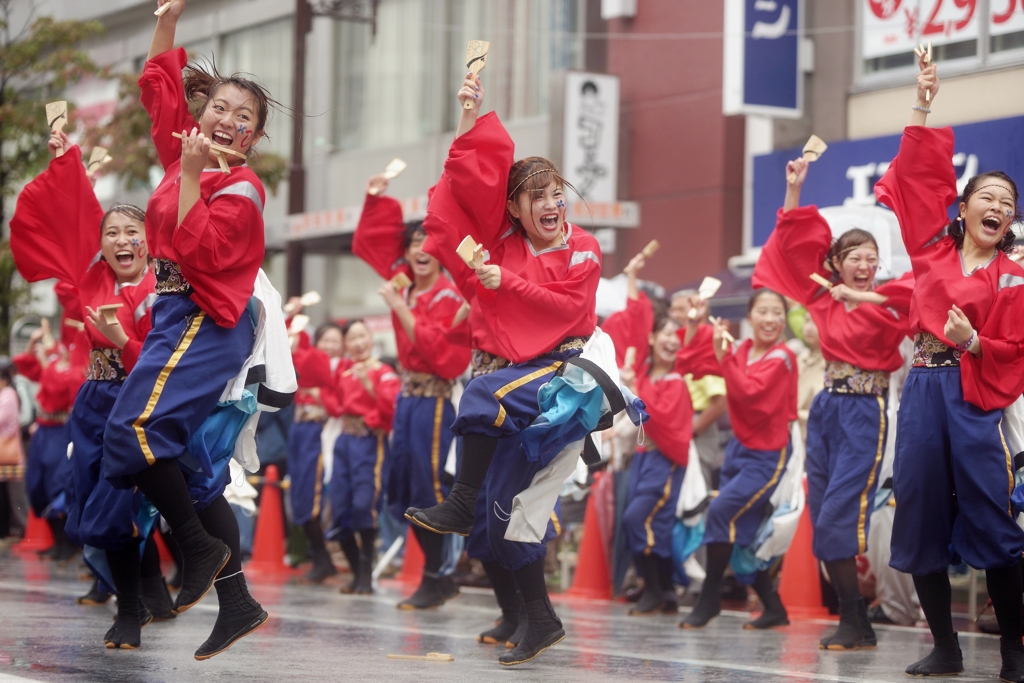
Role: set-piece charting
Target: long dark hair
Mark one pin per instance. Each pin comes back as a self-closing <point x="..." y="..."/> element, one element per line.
<point x="201" y="84"/>
<point x="847" y="242"/>
<point x="956" y="227"/>
<point x="532" y="174"/>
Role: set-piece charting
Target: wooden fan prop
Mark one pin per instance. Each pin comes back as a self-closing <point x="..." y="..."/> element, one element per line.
<point x="471" y="252"/>
<point x="821" y="281"/>
<point x="162" y="9"/>
<point x="298" y="324"/>
<point x="109" y="313"/>
<point x="649" y="251"/>
<point x="630" y="359"/>
<point x="476" y="60"/>
<point x="221" y="152"/>
<point x="925" y="52"/>
<point x="813" y="150"/>
<point x="400" y="281"/>
<point x="392" y="171"/>
<point x="57" y="118"/>
<point x="77" y="324"/>
<point x="97" y="160"/>
<point x="726" y="337"/>
<point x="310" y="298"/>
<point x="709" y="286"/>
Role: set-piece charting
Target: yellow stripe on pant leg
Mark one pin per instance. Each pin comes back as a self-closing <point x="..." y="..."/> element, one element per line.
<point x="377" y="469"/>
<point x="1009" y="469"/>
<point x="435" y="450"/>
<point x="161" y="380"/>
<point x="657" y="506"/>
<point x="558" y="525"/>
<point x="318" y="486"/>
<point x="760" y="492"/>
<point x="862" y="537"/>
<point x="512" y="386"/>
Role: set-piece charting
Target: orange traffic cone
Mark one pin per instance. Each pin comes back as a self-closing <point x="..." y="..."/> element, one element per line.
<point x="37" y="536"/>
<point x="591" y="578"/>
<point x="161" y="547"/>
<point x="413" y="559"/>
<point x="268" y="548"/>
<point x="799" y="585"/>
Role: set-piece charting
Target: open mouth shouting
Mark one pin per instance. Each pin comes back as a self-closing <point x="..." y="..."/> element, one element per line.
<point x="992" y="226"/>
<point x="549" y="222"/>
<point x="221" y="138"/>
<point x="125" y="258"/>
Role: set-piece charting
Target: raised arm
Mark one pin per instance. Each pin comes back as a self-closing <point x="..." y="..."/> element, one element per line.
<point x="380" y="235"/>
<point x="472" y="91"/>
<point x="163" y="34"/>
<point x="630" y="327"/>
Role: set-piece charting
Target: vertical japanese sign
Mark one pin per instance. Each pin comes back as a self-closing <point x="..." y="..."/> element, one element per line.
<point x="762" y="58"/>
<point x="590" y="154"/>
<point x="892" y="27"/>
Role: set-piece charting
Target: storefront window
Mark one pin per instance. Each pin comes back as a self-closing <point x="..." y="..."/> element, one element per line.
<point x="400" y="86"/>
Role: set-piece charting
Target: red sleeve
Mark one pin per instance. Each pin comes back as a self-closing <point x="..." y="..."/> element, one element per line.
<point x="534" y="305"/>
<point x="671" y="410"/>
<point x="631" y="327"/>
<point x="432" y="335"/>
<point x="460" y="335"/>
<point x="379" y="238"/>
<point x="130" y="353"/>
<point x="762" y="396"/>
<point x="220" y="247"/>
<point x="28" y="365"/>
<point x="312" y="368"/>
<point x="477" y="173"/>
<point x="920" y="185"/>
<point x="698" y="357"/>
<point x="386" y="386"/>
<point x="797" y="248"/>
<point x="163" y="96"/>
<point x="55" y="230"/>
<point x="899" y="292"/>
<point x="996" y="379"/>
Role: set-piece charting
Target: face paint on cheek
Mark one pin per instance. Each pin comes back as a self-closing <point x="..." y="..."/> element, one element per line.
<point x="561" y="204"/>
<point x="246" y="135"/>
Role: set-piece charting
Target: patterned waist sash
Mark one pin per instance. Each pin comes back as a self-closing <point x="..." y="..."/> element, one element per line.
<point x="310" y="412"/>
<point x="845" y="378"/>
<point x="105" y="365"/>
<point x="931" y="352"/>
<point x="58" y="418"/>
<point x="169" y="279"/>
<point x="425" y="385"/>
<point x="485" y="363"/>
<point x="355" y="425"/>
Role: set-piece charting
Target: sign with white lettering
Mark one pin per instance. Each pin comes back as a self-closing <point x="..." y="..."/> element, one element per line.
<point x="846" y="175"/>
<point x="892" y="27"/>
<point x="590" y="137"/>
<point x="761" y="60"/>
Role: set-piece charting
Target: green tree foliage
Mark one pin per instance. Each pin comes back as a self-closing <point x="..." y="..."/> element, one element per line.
<point x="37" y="61"/>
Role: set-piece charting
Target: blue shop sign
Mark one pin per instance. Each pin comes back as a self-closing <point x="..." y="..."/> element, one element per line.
<point x="846" y="174"/>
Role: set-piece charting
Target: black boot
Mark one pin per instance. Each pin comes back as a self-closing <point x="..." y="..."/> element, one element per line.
<point x="428" y="595"/>
<point x="774" y="611"/>
<point x="203" y="556"/>
<point x="155" y="596"/>
<point x="449" y="589"/>
<point x="544" y="630"/>
<point x="51" y="552"/>
<point x="945" y="659"/>
<point x="854" y="632"/>
<point x="454" y="516"/>
<point x="668" y="586"/>
<point x="126" y="633"/>
<point x="322" y="565"/>
<point x="521" y="629"/>
<point x="1012" y="652"/>
<point x="367" y="552"/>
<point x="653" y="597"/>
<point x="65" y="549"/>
<point x="95" y="596"/>
<point x="350" y="548"/>
<point x="239" y="616"/>
<point x="506" y="592"/>
<point x="709" y="602"/>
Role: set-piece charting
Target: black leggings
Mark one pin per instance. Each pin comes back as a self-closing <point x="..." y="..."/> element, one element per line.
<point x="219" y="521"/>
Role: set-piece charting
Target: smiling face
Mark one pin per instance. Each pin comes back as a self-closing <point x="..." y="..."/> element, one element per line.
<point x="767" y="317"/>
<point x="230" y="119"/>
<point x="988" y="211"/>
<point x="358" y="342"/>
<point x="330" y="342"/>
<point x="858" y="266"/>
<point x="664" y="343"/>
<point x="541" y="212"/>
<point x="123" y="245"/>
<point x="423" y="264"/>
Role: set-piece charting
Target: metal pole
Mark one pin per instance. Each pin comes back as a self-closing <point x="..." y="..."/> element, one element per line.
<point x="297" y="172"/>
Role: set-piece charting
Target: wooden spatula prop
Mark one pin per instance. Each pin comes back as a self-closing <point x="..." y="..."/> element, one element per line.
<point x="298" y="324"/>
<point x="220" y="151"/>
<point x="109" y="312"/>
<point x="630" y="359"/>
<point x="400" y="281"/>
<point x="821" y="281"/>
<point x="925" y="52"/>
<point x="813" y="150"/>
<point x="649" y="251"/>
<point x="709" y="286"/>
<point x="57" y="118"/>
<point x="476" y="60"/>
<point x="392" y="171"/>
<point x="471" y="252"/>
<point x="310" y="298"/>
<point x="162" y="9"/>
<point x="97" y="160"/>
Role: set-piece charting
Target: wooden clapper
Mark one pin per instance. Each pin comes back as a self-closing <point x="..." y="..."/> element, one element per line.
<point x="476" y="60"/>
